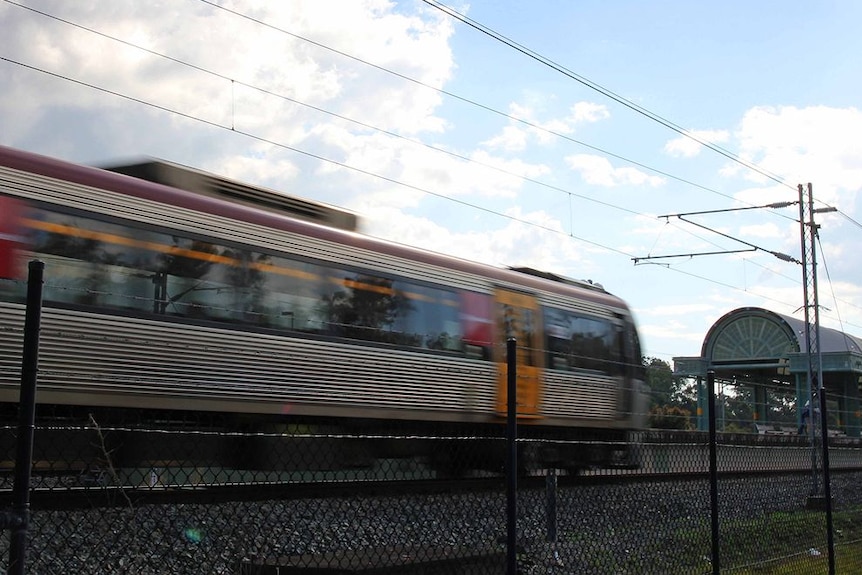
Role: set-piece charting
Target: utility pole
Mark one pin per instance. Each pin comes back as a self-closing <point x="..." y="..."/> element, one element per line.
<point x="816" y="389"/>
<point x="808" y="237"/>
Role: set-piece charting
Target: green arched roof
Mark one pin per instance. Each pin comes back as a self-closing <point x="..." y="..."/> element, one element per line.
<point x="754" y="334"/>
<point x="753" y="342"/>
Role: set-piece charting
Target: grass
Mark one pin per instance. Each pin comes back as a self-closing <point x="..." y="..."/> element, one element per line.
<point x="788" y="543"/>
<point x="797" y="540"/>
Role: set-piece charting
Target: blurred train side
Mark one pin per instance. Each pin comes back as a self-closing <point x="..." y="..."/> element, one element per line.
<point x="166" y="299"/>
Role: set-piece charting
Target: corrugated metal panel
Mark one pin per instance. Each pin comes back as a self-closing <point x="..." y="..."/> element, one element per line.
<point x="583" y="397"/>
<point x="107" y="354"/>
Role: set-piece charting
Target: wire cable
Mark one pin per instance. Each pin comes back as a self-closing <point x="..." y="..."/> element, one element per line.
<point x="380" y="176"/>
<point x="450" y="153"/>
<point x="469" y="101"/>
<point x="605" y="92"/>
<point x="214" y="124"/>
<point x="371" y="174"/>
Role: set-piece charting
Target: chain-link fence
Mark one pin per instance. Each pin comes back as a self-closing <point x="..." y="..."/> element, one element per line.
<point x="220" y="495"/>
<point x="173" y="490"/>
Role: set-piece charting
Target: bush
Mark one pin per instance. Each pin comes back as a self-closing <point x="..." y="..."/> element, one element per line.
<point x="670" y="417"/>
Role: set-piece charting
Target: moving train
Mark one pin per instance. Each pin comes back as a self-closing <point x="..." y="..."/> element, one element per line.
<point x="168" y="289"/>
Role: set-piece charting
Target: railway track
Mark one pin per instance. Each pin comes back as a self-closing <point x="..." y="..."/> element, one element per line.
<point x="87" y="477"/>
<point x="93" y="496"/>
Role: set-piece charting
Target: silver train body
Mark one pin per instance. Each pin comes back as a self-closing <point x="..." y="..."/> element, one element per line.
<point x="395" y="334"/>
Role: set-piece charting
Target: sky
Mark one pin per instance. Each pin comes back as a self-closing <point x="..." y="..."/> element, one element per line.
<point x="553" y="134"/>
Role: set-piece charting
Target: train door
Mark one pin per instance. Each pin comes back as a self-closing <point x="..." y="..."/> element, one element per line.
<point x="517" y="315"/>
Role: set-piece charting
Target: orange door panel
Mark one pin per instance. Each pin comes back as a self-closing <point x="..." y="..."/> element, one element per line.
<point x="517" y="316"/>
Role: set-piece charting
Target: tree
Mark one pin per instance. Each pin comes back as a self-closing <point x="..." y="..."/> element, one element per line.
<point x="660" y="380"/>
<point x="673" y="399"/>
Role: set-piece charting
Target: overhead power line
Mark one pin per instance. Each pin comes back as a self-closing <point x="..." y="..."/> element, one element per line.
<point x="436" y="149"/>
<point x="380" y="176"/>
<point x="450" y="153"/>
<point x="605" y="91"/>
<point x="366" y="172"/>
<point x="466" y="100"/>
<point x="235" y="130"/>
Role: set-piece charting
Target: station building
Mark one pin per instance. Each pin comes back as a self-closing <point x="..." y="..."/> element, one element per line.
<point x="767" y="351"/>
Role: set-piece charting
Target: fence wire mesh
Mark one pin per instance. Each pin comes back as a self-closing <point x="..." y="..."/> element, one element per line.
<point x="128" y="492"/>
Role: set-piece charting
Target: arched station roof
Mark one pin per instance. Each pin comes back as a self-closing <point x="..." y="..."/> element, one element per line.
<point x="758" y="344"/>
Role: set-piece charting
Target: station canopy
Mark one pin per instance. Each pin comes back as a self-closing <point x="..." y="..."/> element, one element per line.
<point x="759" y="346"/>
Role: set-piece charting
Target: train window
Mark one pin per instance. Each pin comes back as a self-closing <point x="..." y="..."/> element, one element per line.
<point x="433" y="313"/>
<point x="576" y="342"/>
<point x="291" y="298"/>
<point x="88" y="263"/>
<point x="104" y="264"/>
<point x="360" y="306"/>
<point x="369" y="307"/>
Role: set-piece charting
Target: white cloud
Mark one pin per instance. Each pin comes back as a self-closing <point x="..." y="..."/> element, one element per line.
<point x="515" y="136"/>
<point x="677" y="309"/>
<point x="589" y="112"/>
<point x="599" y="171"/>
<point x="512" y="138"/>
<point x="817" y="144"/>
<point x="240" y="51"/>
<point x="671" y="330"/>
<point x="688" y="147"/>
<point x="534" y="239"/>
<point x="769" y="193"/>
<point x="767" y="230"/>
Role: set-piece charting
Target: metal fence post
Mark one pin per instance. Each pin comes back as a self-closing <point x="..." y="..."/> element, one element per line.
<point x="713" y="475"/>
<point x="512" y="457"/>
<point x="551" y="504"/>
<point x="827" y="480"/>
<point x="26" y="421"/>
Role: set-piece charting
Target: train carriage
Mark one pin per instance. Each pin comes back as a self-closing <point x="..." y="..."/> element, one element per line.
<point x="216" y="296"/>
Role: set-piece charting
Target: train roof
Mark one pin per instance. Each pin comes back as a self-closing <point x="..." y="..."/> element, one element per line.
<point x="589" y="284"/>
<point x="115" y="181"/>
<point x="201" y="182"/>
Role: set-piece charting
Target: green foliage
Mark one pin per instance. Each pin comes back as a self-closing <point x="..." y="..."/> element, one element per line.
<point x="670" y="417"/>
<point x="660" y="380"/>
<point x="673" y="399"/>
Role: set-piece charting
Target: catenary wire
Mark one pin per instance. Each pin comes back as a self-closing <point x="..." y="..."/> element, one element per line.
<point x="613" y="96"/>
<point x="469" y="101"/>
<point x="396" y="135"/>
<point x="217" y="125"/>
<point x="404" y="184"/>
<point x="604" y="91"/>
